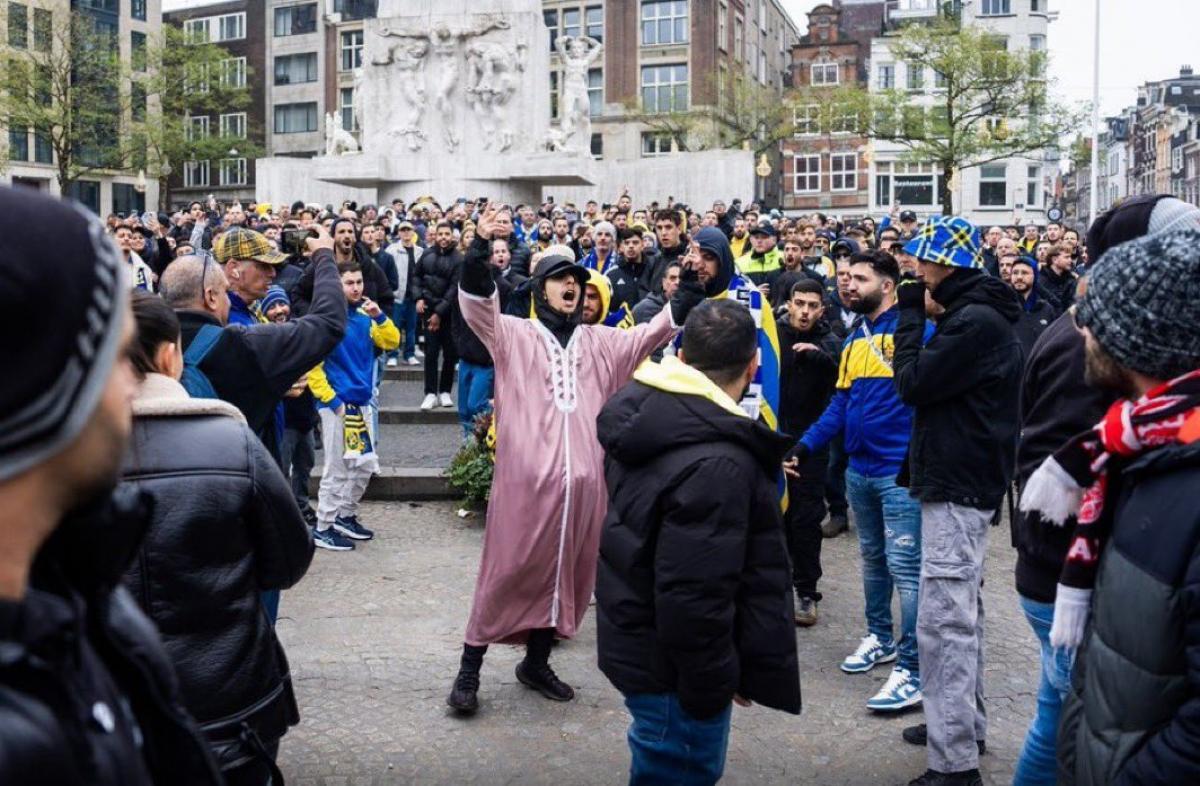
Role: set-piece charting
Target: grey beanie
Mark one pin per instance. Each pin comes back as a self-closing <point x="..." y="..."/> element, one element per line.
<point x="1143" y="304"/>
<point x="605" y="226"/>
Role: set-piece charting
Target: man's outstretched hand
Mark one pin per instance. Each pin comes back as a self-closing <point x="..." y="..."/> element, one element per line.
<point x="689" y="295"/>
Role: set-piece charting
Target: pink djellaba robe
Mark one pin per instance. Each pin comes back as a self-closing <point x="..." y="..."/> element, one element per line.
<point x="548" y="500"/>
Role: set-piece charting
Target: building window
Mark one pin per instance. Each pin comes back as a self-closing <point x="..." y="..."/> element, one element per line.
<point x="883" y="190"/>
<point x="886" y="76"/>
<point x="137" y="101"/>
<point x="195" y="79"/>
<point x="346" y="108"/>
<point x="232" y="172"/>
<point x="664" y="22"/>
<point x="18" y="26"/>
<point x="43" y="151"/>
<point x="807" y="173"/>
<point x="665" y="88"/>
<point x="87" y="193"/>
<point x="655" y="144"/>
<point x="739" y="37"/>
<point x="234" y="125"/>
<point x="231" y="27"/>
<point x="195" y="174"/>
<point x="597" y="146"/>
<point x="1033" y="186"/>
<point x="842" y="120"/>
<point x="843" y="172"/>
<point x="42" y="29"/>
<point x="914" y="76"/>
<point x="993" y="186"/>
<point x="550" y="18"/>
<point x="137" y="9"/>
<point x="196" y="31"/>
<point x="296" y="69"/>
<point x="295" y="118"/>
<point x="722" y="27"/>
<point x="1114" y="162"/>
<point x="126" y="199"/>
<point x="18" y="144"/>
<point x="595" y="92"/>
<point x="1037" y="5"/>
<point x="197" y="128"/>
<point x="572" y="20"/>
<point x="915" y="185"/>
<point x="233" y="72"/>
<point x="995" y="7"/>
<point x="823" y="74"/>
<point x="296" y="20"/>
<point x="137" y="50"/>
<point x="1176" y="159"/>
<point x="352" y="46"/>
<point x="806" y="120"/>
<point x="594" y="19"/>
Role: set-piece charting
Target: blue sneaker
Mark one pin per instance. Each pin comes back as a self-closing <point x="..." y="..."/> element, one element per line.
<point x="869" y="653"/>
<point x="349" y="526"/>
<point x="332" y="540"/>
<point x="902" y="689"/>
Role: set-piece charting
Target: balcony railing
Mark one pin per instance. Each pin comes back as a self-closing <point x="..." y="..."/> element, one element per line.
<point x="900" y="12"/>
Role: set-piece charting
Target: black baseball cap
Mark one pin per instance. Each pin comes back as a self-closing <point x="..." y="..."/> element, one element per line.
<point x="763" y="229"/>
<point x="908" y="215"/>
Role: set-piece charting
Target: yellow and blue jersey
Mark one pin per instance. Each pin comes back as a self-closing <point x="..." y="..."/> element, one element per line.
<point x="347" y="375"/>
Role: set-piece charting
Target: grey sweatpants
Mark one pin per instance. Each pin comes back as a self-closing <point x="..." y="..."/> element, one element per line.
<point x="950" y="632"/>
<point x="342" y="482"/>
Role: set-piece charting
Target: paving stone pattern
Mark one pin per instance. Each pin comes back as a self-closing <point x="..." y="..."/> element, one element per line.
<point x="374" y="636"/>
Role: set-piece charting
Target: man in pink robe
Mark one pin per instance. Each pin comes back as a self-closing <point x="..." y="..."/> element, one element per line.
<point x="548" y="499"/>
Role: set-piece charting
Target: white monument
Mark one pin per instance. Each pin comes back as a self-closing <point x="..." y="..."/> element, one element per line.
<point x="454" y="101"/>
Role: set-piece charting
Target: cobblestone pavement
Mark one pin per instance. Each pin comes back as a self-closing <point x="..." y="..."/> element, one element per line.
<point x="374" y="637"/>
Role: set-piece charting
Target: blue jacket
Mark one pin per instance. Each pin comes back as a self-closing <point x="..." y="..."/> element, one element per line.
<point x="865" y="404"/>
<point x="347" y="375"/>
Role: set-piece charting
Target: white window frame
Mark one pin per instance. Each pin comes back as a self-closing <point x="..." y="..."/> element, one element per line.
<point x="344" y="105"/>
<point x="232" y="172"/>
<point x="595" y="92"/>
<point x="810" y="176"/>
<point x="984" y="177"/>
<point x="671" y="17"/>
<point x="1176" y="159"/>
<point x="890" y="70"/>
<point x="233" y="72"/>
<point x="198" y="127"/>
<point x="995" y="7"/>
<point x="723" y="26"/>
<point x="196" y="30"/>
<point x="823" y="69"/>
<point x="1033" y="186"/>
<point x="839" y="119"/>
<point x="670" y="86"/>
<point x="848" y="177"/>
<point x="914" y="77"/>
<point x="808" y="118"/>
<point x="238" y="22"/>
<point x="661" y="146"/>
<point x="233" y="124"/>
<point x="195" y="174"/>
<point x="343" y="48"/>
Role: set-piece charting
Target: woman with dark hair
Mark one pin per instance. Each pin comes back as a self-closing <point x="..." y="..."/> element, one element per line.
<point x="225" y="527"/>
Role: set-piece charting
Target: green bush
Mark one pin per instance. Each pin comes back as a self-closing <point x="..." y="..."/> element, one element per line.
<point x="471" y="469"/>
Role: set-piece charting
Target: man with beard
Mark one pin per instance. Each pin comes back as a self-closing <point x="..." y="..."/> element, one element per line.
<point x="963" y="384"/>
<point x="653" y="303"/>
<point x="87" y="692"/>
<point x="604" y="255"/>
<point x="991" y="251"/>
<point x="781" y="281"/>
<point x="632" y="274"/>
<point x="739" y="239"/>
<point x="876" y="426"/>
<point x="810" y="353"/>
<point x="1058" y="277"/>
<point x="1133" y="561"/>
<point x="562" y="232"/>
<point x="437" y="273"/>
<point x="547" y="503"/>
<point x="346" y="247"/>
<point x="1036" y="313"/>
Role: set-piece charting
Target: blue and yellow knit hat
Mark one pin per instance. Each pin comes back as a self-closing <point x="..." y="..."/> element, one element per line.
<point x="947" y="240"/>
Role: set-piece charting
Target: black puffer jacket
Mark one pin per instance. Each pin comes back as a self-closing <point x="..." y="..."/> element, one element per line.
<point x="964" y="387"/>
<point x="693" y="592"/>
<point x="437" y="273"/>
<point x="1133" y="713"/>
<point x="75" y="652"/>
<point x="631" y="281"/>
<point x="207" y="473"/>
<point x="468" y="345"/>
<point x="807" y="378"/>
<point x="375" y="284"/>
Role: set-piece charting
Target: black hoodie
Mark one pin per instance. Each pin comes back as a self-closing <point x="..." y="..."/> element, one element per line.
<point x="964" y="386"/>
<point x="806" y="379"/>
<point x="693" y="592"/>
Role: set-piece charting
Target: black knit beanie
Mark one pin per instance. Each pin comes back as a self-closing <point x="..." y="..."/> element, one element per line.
<point x="62" y="306"/>
<point x="1146" y="214"/>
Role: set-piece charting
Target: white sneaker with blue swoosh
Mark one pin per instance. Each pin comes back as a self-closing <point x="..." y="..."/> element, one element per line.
<point x="902" y="689"/>
<point x="869" y="653"/>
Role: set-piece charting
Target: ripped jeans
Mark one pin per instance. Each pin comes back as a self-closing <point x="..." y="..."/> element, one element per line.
<point x="888" y="522"/>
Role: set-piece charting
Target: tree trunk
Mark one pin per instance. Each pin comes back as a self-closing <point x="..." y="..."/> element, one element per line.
<point x="951" y="175"/>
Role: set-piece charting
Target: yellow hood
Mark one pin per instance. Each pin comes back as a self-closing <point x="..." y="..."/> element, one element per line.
<point x="603" y="288"/>
<point x="674" y="376"/>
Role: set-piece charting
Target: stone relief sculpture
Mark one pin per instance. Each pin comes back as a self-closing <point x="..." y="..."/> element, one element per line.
<point x="358" y="98"/>
<point x="578" y="53"/>
<point x="491" y="80"/>
<point x="338" y="141"/>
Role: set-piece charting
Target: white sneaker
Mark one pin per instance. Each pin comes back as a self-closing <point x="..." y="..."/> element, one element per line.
<point x="869" y="653"/>
<point x="446" y="400"/>
<point x="420" y="354"/>
<point x="392" y="363"/>
<point x="413" y="361"/>
<point x="430" y="401"/>
<point x="901" y="690"/>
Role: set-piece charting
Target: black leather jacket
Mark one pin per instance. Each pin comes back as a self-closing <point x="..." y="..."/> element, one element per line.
<point x="225" y="528"/>
<point x="87" y="694"/>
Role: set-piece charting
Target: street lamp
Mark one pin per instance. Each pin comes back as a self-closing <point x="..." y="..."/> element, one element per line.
<point x="763" y="170"/>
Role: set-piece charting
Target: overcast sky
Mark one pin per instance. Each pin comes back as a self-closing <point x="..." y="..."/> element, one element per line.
<point x="1140" y="41"/>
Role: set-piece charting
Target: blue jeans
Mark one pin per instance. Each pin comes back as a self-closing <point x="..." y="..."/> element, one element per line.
<point x="671" y="747"/>
<point x="474" y="392"/>
<point x="1037" y="763"/>
<point x="888" y="521"/>
<point x="404" y="315"/>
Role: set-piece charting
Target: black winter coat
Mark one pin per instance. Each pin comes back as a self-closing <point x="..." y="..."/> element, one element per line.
<point x="375" y="284"/>
<point x="252" y="366"/>
<point x="1032" y="324"/>
<point x="806" y="379"/>
<point x="693" y="592"/>
<point x="206" y="472"/>
<point x="664" y="257"/>
<point x="1061" y="287"/>
<point x="468" y="345"/>
<point x="1133" y="713"/>
<point x="437" y="273"/>
<point x="964" y="386"/>
<point x="75" y="651"/>
<point x="1056" y="404"/>
<point x="630" y="282"/>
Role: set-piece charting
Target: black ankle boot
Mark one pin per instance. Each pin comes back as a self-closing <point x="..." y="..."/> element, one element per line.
<point x="464" y="696"/>
<point x="535" y="672"/>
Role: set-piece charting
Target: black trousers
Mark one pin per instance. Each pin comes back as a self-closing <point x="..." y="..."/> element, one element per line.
<point x="802" y="524"/>
<point x="439" y="343"/>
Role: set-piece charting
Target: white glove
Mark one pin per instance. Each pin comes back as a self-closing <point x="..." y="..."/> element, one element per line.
<point x="1071" y="607"/>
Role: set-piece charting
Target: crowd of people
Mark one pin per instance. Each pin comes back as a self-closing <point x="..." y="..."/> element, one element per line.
<point x="686" y="402"/>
